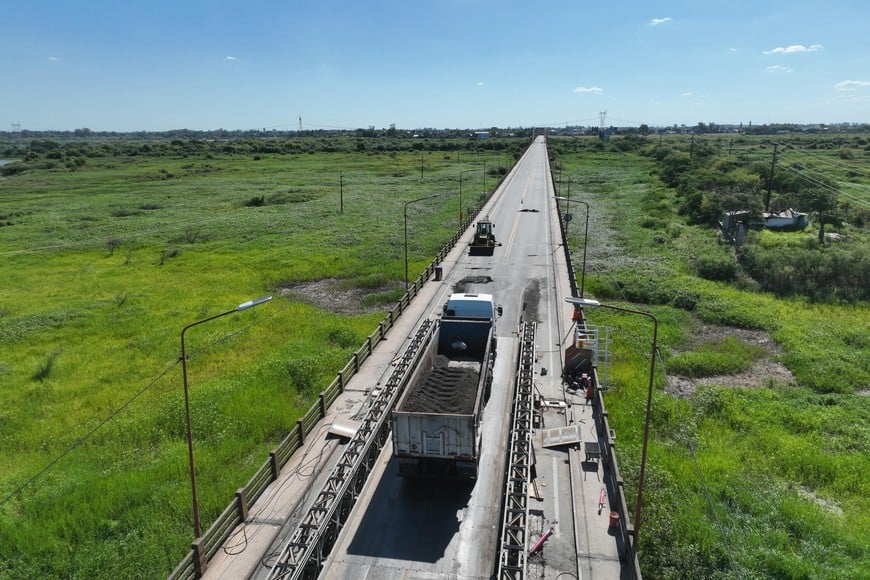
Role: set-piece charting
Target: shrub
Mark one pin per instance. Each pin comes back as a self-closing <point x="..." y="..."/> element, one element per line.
<point x="45" y="368"/>
<point x="727" y="357"/>
<point x="716" y="267"/>
<point x="168" y="253"/>
<point x="124" y="213"/>
<point x="113" y="244"/>
<point x="343" y="337"/>
<point x="821" y="273"/>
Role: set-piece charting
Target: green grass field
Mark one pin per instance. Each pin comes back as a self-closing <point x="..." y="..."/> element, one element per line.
<point x="767" y="481"/>
<point x="103" y="266"/>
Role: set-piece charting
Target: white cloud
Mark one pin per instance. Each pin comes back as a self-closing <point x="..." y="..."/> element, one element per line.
<point x="778" y="68"/>
<point x="481" y="83"/>
<point x="231" y="59"/>
<point x="851" y="85"/>
<point x="53" y="59"/>
<point x="593" y="90"/>
<point x="795" y="48"/>
<point x="657" y="21"/>
<point x="689" y="94"/>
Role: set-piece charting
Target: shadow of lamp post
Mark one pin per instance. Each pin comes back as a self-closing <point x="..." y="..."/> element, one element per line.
<point x="585" y="302"/>
<point x="244" y="306"/>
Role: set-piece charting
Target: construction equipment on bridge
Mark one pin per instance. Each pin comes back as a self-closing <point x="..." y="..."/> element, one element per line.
<point x="483" y="243"/>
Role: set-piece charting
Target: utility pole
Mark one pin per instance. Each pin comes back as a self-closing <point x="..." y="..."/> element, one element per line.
<point x="770" y="180"/>
<point x="341" y="191"/>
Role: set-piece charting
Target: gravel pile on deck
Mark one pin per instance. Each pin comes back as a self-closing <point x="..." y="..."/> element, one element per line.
<point x="445" y="390"/>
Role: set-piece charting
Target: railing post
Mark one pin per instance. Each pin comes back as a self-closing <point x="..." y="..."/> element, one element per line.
<point x="200" y="560"/>
<point x="340" y="381"/>
<point x="242" y="503"/>
<point x="322" y="400"/>
<point x="301" y="430"/>
<point x="274" y="464"/>
<point x="355" y="362"/>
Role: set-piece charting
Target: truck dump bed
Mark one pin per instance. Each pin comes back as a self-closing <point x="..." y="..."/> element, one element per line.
<point x="450" y="387"/>
<point x="449" y="377"/>
<point x="436" y="421"/>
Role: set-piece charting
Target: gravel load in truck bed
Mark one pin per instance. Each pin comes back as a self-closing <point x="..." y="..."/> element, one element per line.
<point x="450" y="387"/>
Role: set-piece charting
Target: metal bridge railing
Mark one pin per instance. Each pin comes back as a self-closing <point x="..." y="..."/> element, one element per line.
<point x="616" y="490"/>
<point x="311" y="542"/>
<point x="202" y="549"/>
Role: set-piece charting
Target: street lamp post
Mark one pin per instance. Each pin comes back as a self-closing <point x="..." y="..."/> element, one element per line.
<point x="244" y="306"/>
<point x="585" y="243"/>
<point x="581" y="302"/>
<point x="484" y="177"/>
<point x="407" y="203"/>
<point x="460" y="194"/>
<point x="585" y="240"/>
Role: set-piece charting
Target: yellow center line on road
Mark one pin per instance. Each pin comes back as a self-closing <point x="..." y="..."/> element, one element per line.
<point x="516" y="225"/>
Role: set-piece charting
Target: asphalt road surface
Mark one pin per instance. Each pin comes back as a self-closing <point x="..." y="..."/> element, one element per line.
<point x="442" y="529"/>
<point x="421" y="529"/>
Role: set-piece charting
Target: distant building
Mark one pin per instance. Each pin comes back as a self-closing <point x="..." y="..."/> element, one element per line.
<point x="481" y="135"/>
<point x="787" y="219"/>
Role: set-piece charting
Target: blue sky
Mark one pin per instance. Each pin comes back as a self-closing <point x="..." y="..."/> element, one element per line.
<point x="173" y="64"/>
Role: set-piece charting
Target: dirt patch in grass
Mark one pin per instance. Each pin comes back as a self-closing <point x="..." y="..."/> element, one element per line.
<point x="336" y="295"/>
<point x="825" y="504"/>
<point x="765" y="371"/>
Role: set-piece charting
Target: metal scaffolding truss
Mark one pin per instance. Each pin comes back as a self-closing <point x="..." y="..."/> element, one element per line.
<point x="597" y="340"/>
<point x="314" y="537"/>
<point x="512" y="562"/>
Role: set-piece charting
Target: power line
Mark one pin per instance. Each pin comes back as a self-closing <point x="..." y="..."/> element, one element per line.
<point x="124" y="406"/>
<point x="87" y="436"/>
<point x="824" y="160"/>
<point x="830" y="189"/>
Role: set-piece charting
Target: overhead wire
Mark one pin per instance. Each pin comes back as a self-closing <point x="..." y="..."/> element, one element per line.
<point x="305" y="469"/>
<point x="819" y="158"/>
<point x="86" y="436"/>
<point x="114" y="414"/>
<point x="822" y="185"/>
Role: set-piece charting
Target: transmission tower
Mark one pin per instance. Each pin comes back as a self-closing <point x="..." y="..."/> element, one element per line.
<point x="300" y="123"/>
<point x="16" y="127"/>
<point x="601" y="117"/>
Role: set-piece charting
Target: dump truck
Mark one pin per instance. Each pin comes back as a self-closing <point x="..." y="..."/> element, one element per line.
<point x="437" y="420"/>
<point x="483" y="243"/>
